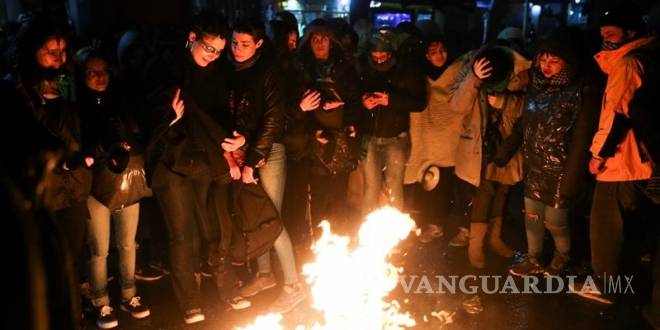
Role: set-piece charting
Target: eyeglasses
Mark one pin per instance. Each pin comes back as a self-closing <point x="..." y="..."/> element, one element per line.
<point x="209" y="49"/>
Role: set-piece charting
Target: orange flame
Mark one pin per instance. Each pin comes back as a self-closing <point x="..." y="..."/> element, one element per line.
<point x="349" y="287"/>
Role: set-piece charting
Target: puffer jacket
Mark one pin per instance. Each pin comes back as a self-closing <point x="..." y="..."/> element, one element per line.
<point x="557" y="128"/>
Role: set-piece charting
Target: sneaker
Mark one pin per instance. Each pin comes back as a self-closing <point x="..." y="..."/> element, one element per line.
<point x="557" y="266"/>
<point x="106" y="319"/>
<point x="260" y="283"/>
<point x="135" y="307"/>
<point x="206" y="270"/>
<point x="238" y="303"/>
<point x="591" y="292"/>
<point x="432" y="232"/>
<point x="291" y="296"/>
<point x="461" y="239"/>
<point x="193" y="316"/>
<point x="148" y="274"/>
<point x="528" y="267"/>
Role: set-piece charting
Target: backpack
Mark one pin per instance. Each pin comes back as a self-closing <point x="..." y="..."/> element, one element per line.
<point x="256" y="219"/>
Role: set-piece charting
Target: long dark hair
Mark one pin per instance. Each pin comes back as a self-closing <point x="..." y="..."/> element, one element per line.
<point x="32" y="37"/>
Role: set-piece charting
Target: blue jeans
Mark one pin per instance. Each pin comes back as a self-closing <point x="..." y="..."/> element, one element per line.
<point x="388" y="155"/>
<point x="125" y="223"/>
<point x="538" y="217"/>
<point x="273" y="180"/>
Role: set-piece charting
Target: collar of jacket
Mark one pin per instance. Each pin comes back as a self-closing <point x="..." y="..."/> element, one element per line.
<point x="606" y="59"/>
<point x="518" y="79"/>
<point x="240" y="66"/>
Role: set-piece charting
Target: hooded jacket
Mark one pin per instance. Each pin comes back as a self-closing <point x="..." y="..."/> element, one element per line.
<point x="643" y="106"/>
<point x="627" y="162"/>
<point x="407" y="93"/>
<point x="469" y="98"/>
<point x="336" y="79"/>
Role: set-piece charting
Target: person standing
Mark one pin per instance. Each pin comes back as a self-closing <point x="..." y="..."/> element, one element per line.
<point x="256" y="103"/>
<point x="391" y="90"/>
<point x="618" y="159"/>
<point x="555" y="131"/>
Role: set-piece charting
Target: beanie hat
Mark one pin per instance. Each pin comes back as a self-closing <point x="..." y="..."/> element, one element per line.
<point x="501" y="60"/>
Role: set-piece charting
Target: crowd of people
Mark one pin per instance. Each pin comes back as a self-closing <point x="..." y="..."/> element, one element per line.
<point x="235" y="136"/>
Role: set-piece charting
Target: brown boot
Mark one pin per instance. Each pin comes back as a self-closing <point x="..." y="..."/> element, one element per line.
<point x="476" y="245"/>
<point x="495" y="239"/>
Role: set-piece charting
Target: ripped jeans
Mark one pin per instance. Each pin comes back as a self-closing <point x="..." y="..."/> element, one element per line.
<point x="538" y="217"/>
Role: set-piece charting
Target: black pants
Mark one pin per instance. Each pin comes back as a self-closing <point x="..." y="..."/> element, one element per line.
<point x="71" y="223"/>
<point x="617" y="207"/>
<point x="151" y="234"/>
<point x="179" y="199"/>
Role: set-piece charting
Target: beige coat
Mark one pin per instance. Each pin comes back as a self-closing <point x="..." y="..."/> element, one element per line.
<point x="434" y="132"/>
<point x="466" y="97"/>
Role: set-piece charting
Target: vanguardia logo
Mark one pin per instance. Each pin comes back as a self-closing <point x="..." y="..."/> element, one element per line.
<point x="499" y="284"/>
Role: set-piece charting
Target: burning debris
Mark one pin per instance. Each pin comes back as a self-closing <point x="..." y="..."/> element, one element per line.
<point x="349" y="285"/>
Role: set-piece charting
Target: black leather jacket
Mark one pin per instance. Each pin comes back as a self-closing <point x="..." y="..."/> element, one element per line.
<point x="257" y="104"/>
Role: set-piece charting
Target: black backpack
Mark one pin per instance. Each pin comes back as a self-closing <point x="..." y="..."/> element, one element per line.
<point x="256" y="219"/>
